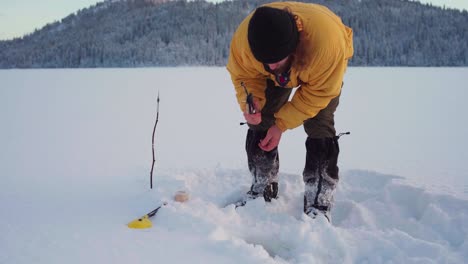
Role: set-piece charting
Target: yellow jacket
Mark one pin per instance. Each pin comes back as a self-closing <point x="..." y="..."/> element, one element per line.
<point x="320" y="78"/>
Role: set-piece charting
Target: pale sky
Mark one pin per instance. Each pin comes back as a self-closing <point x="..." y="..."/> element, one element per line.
<point x="19" y="17"/>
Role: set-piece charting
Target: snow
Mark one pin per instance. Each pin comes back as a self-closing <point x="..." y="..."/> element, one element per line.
<point x="76" y="155"/>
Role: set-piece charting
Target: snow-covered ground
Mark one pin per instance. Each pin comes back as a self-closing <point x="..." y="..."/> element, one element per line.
<point x="76" y="155"/>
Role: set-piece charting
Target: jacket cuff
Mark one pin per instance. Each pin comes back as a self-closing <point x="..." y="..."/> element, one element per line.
<point x="281" y="125"/>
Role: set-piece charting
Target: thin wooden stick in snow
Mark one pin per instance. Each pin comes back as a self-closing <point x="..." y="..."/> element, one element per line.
<point x="154" y="132"/>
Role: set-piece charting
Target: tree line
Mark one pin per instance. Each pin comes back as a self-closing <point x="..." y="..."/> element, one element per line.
<point x="142" y="33"/>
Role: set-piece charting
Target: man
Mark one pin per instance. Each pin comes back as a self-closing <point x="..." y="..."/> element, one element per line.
<point x="278" y="47"/>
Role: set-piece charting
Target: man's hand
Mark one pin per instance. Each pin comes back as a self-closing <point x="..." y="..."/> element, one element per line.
<point x="271" y="139"/>
<point x="256" y="118"/>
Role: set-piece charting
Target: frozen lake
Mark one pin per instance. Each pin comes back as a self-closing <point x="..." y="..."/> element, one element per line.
<point x="76" y="155"/>
<point x="60" y="124"/>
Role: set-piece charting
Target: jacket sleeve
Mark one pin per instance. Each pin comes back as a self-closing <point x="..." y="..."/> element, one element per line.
<point x="241" y="68"/>
<point x="323" y="83"/>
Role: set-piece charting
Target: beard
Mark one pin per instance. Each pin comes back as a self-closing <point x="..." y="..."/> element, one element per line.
<point x="283" y="68"/>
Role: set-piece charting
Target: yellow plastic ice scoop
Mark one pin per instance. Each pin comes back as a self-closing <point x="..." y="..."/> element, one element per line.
<point x="144" y="221"/>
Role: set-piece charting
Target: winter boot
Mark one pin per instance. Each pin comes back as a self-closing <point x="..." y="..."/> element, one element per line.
<point x="270" y="192"/>
<point x="314" y="213"/>
<point x="320" y="176"/>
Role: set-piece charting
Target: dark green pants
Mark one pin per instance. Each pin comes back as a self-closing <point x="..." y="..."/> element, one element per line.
<point x="320" y="172"/>
<point x="320" y="126"/>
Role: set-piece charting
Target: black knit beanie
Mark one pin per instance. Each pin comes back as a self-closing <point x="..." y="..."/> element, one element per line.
<point x="272" y="34"/>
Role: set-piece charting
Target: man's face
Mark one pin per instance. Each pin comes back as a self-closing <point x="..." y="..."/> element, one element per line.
<point x="280" y="66"/>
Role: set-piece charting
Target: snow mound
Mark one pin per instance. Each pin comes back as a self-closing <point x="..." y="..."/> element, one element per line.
<point x="376" y="219"/>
